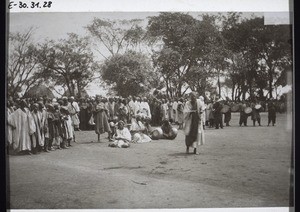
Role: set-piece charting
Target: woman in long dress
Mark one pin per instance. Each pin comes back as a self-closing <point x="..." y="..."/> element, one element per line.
<point x="193" y="123"/>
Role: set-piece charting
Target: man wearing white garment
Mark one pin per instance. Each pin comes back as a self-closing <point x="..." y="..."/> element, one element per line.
<point x="175" y="112"/>
<point x="145" y="109"/>
<point x="74" y="111"/>
<point x="193" y="123"/>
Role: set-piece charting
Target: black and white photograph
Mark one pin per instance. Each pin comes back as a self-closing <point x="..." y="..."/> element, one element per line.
<point x="149" y="109"/>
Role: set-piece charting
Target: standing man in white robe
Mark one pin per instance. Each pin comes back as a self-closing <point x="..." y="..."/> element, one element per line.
<point x="145" y="109"/>
<point x="203" y="117"/>
<point x="164" y="109"/>
<point x="175" y="112"/>
<point x="193" y="123"/>
<point x="23" y="128"/>
<point x="74" y="110"/>
<point x="137" y="106"/>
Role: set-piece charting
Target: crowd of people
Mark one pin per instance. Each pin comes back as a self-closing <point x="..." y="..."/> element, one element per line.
<point x="43" y="124"/>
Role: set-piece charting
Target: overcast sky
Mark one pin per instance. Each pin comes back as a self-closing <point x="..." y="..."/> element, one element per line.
<point x="57" y="25"/>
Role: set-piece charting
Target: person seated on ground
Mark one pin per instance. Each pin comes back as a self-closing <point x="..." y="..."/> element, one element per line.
<point x="169" y="132"/>
<point x="113" y="126"/>
<point x="122" y="136"/>
<point x="138" y="130"/>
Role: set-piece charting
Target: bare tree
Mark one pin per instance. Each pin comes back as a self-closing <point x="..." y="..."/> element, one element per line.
<point x="22" y="63"/>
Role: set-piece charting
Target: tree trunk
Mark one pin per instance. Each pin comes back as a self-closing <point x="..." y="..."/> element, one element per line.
<point x="167" y="90"/>
<point x="270" y="84"/>
<point x="68" y="86"/>
<point x="239" y="93"/>
<point x="179" y="90"/>
<point x="78" y="89"/>
<point x="73" y="89"/>
<point x="219" y="84"/>
<point x="202" y="87"/>
<point x="243" y="93"/>
<point x="232" y="91"/>
<point x="250" y="89"/>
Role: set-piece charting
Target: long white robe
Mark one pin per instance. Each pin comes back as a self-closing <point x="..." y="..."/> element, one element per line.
<point x="203" y="116"/>
<point x="131" y="107"/>
<point x="74" y="108"/>
<point x="122" y="138"/>
<point x="123" y="134"/>
<point x="145" y="109"/>
<point x="137" y="107"/>
<point x="10" y="121"/>
<point x="175" y="112"/>
<point x="188" y="120"/>
<point x="24" y="127"/>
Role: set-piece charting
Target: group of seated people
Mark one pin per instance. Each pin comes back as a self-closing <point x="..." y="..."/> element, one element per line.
<point x="139" y="131"/>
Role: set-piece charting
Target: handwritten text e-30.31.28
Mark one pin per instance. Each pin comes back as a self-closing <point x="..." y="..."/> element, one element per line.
<point x="32" y="4"/>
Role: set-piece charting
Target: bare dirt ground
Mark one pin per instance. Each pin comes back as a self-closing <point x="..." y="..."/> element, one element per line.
<point x="237" y="167"/>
